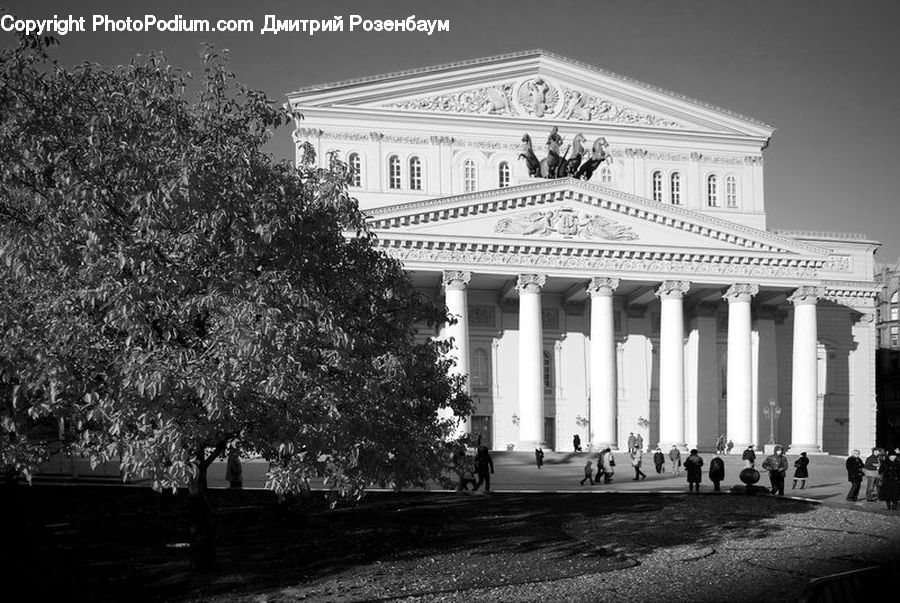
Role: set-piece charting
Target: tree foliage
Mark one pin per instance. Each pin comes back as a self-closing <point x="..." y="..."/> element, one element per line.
<point x="168" y="289"/>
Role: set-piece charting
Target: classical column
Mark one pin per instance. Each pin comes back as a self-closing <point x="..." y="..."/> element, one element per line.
<point x="671" y="364"/>
<point x="740" y="365"/>
<point x="603" y="363"/>
<point x="805" y="379"/>
<point x="531" y="384"/>
<point x="454" y="282"/>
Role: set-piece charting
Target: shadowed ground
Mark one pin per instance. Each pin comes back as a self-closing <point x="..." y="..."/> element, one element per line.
<point x="124" y="544"/>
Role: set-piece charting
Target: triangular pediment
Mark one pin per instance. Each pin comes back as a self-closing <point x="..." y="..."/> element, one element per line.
<point x="570" y="213"/>
<point x="534" y="85"/>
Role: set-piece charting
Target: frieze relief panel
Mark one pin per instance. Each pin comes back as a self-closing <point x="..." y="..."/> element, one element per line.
<point x="535" y="97"/>
<point x="568" y="223"/>
<point x="598" y="264"/>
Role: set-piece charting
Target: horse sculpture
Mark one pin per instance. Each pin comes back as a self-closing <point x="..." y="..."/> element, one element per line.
<point x="598" y="156"/>
<point x="527" y="153"/>
<point x="571" y="166"/>
<point x="557" y="165"/>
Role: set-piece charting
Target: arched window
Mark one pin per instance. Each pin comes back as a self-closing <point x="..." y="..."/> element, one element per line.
<point x="895" y="305"/>
<point x="503" y="174"/>
<point x="548" y="371"/>
<point x="470" y="176"/>
<point x="730" y="191"/>
<point x="415" y="174"/>
<point x="481" y="371"/>
<point x="657" y="186"/>
<point x="606" y="175"/>
<point x="355" y="165"/>
<point x="675" y="188"/>
<point x="394" y="172"/>
<point x="712" y="191"/>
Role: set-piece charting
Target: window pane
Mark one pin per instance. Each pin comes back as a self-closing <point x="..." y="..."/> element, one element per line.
<point x="415" y="174"/>
<point x="712" y="191"/>
<point x="657" y="186"/>
<point x="676" y="189"/>
<point x="469" y="176"/>
<point x="355" y="173"/>
<point x="394" y="171"/>
<point x="504" y="174"/>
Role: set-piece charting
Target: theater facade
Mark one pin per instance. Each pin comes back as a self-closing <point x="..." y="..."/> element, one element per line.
<point x="650" y="298"/>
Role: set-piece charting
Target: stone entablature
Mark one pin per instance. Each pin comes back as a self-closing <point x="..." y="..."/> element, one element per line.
<point x="491" y="202"/>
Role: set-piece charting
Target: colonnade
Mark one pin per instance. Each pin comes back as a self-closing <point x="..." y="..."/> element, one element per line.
<point x="602" y="369"/>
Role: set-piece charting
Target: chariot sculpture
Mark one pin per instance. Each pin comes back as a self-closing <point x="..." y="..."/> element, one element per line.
<point x="579" y="164"/>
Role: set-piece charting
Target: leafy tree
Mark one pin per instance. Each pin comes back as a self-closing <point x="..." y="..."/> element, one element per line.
<point x="169" y="290"/>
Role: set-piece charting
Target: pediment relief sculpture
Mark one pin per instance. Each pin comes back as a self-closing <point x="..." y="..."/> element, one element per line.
<point x="565" y="222"/>
<point x="536" y="97"/>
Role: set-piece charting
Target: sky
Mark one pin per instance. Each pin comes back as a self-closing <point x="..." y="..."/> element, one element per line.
<point x="824" y="73"/>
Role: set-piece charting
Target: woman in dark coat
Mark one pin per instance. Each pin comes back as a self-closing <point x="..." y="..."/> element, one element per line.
<point x="801" y="472"/>
<point x="890" y="479"/>
<point x="693" y="465"/>
<point x="716" y="471"/>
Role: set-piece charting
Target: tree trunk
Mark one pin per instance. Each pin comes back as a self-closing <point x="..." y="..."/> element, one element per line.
<point x="202" y="550"/>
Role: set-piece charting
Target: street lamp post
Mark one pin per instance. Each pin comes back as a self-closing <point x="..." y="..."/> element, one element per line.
<point x="771" y="412"/>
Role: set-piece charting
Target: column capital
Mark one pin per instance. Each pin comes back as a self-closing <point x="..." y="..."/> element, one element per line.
<point x="806" y="295"/>
<point x="673" y="289"/>
<point x="602" y="287"/>
<point x="455" y="279"/>
<point x="741" y="292"/>
<point x="530" y="283"/>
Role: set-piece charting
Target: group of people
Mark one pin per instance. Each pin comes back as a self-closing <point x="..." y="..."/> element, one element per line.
<point x="474" y="471"/>
<point x="606" y="468"/>
<point x="881" y="470"/>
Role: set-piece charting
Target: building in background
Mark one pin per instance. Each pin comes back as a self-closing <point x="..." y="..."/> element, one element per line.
<point x="648" y="296"/>
<point x="887" y="373"/>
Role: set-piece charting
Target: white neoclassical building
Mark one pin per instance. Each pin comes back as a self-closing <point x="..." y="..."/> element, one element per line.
<point x="651" y="298"/>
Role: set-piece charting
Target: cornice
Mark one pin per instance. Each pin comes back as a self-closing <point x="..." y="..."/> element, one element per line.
<point x="523" y="256"/>
<point x="549" y="191"/>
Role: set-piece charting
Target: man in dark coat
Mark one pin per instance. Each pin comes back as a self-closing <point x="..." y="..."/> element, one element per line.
<point x="693" y="466"/>
<point x="659" y="459"/>
<point x="484" y="466"/>
<point x="716" y="471"/>
<point x="873" y="461"/>
<point x="855" y="474"/>
<point x="749" y="457"/>
<point x="576" y="443"/>
<point x="889" y="471"/>
<point x="776" y="464"/>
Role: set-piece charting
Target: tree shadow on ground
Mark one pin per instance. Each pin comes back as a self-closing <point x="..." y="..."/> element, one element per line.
<point x="125" y="543"/>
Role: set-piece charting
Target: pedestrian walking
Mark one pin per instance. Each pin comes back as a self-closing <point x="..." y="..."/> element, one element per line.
<point x="777" y="467"/>
<point x="801" y="472"/>
<point x="889" y="471"/>
<point x="716" y="471"/>
<point x="607" y="466"/>
<point x="720" y="444"/>
<point x="873" y="462"/>
<point x="693" y="466"/>
<point x="855" y="474"/>
<point x="639" y="442"/>
<point x="729" y="446"/>
<point x="631" y="441"/>
<point x="588" y="473"/>
<point x="576" y="443"/>
<point x="484" y="467"/>
<point x="234" y="473"/>
<point x="539" y="457"/>
<point x="636" y="460"/>
<point x="749" y="457"/>
<point x="675" y="460"/>
<point x="659" y="459"/>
